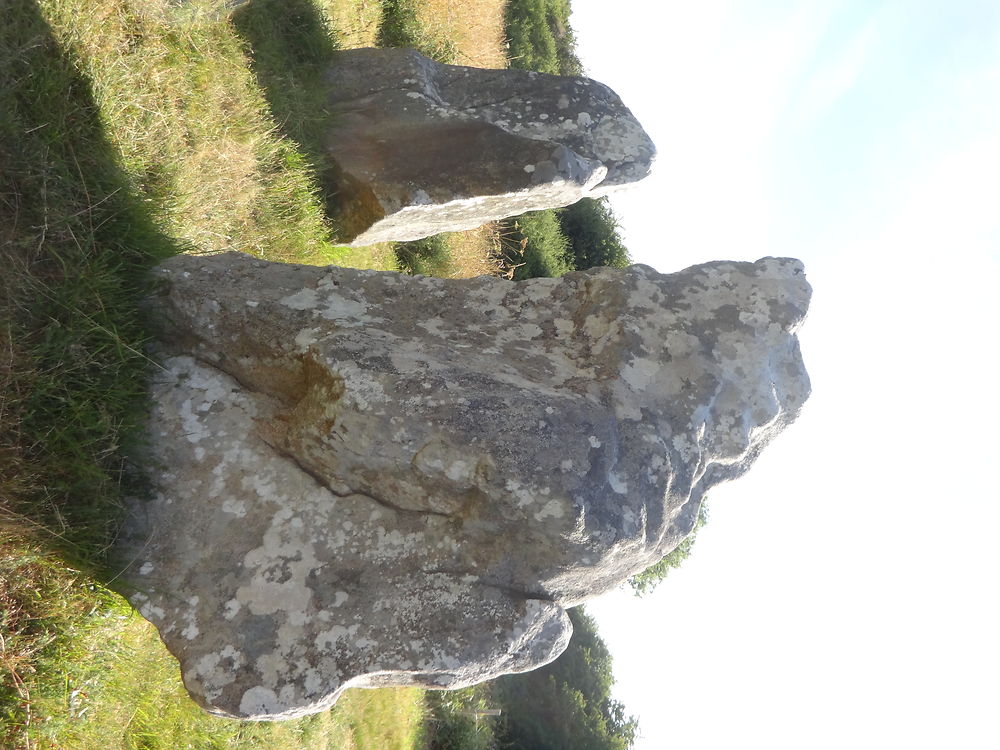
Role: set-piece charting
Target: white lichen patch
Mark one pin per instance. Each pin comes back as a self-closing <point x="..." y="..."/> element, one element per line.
<point x="641" y="373"/>
<point x="618" y="483"/>
<point x="564" y="327"/>
<point x="306" y="338"/>
<point x="260" y="701"/>
<point x="340" y="308"/>
<point x="551" y="509"/>
<point x="280" y="568"/>
<point x="152" y="612"/>
<point x="231" y="609"/>
<point x="234" y="507"/>
<point x="331" y="638"/>
<point x="304" y="299"/>
<point x="361" y="388"/>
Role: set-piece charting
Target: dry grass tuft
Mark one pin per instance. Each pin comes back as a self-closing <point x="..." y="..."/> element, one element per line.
<point x="476" y="252"/>
<point x="474" y="27"/>
<point x="355" y="21"/>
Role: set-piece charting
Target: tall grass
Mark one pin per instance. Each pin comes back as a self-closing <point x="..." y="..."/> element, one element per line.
<point x="191" y="128"/>
<point x="477" y="252"/>
<point x="76" y="242"/>
<point x="430" y="256"/>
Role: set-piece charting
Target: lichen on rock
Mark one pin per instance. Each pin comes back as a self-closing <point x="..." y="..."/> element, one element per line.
<point x="363" y="478"/>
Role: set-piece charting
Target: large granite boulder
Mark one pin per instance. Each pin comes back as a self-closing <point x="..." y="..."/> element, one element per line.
<point x="421" y="148"/>
<point x="363" y="478"/>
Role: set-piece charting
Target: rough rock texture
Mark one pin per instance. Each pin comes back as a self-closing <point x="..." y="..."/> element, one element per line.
<point x="365" y="478"/>
<point x="423" y="148"/>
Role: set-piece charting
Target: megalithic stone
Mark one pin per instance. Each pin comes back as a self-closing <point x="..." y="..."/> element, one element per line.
<point x="363" y="478"/>
<point x="422" y="148"/>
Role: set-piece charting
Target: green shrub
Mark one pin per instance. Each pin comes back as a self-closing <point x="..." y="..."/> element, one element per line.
<point x="454" y="723"/>
<point x="540" y="36"/>
<point x="568" y="702"/>
<point x="591" y="228"/>
<point x="536" y="245"/>
<point x="430" y="256"/>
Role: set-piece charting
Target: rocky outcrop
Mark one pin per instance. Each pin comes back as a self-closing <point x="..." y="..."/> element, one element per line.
<point x="364" y="478"/>
<point x="422" y="148"/>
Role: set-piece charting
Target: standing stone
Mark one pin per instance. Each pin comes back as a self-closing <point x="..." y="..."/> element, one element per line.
<point x="363" y="478"/>
<point x="422" y="148"/>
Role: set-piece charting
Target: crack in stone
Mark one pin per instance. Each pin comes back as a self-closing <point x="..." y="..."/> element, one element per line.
<point x="325" y="484"/>
<point x="511" y="591"/>
<point x="314" y="474"/>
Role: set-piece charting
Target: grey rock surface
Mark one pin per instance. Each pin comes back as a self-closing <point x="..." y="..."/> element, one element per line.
<point x="422" y="148"/>
<point x="363" y="478"/>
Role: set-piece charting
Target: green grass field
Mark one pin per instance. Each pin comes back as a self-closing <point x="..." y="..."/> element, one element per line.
<point x="131" y="130"/>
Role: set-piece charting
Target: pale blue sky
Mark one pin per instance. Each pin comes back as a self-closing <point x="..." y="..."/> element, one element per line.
<point x="844" y="593"/>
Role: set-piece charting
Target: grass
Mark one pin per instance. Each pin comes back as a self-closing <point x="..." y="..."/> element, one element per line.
<point x="76" y="241"/>
<point x="131" y="130"/>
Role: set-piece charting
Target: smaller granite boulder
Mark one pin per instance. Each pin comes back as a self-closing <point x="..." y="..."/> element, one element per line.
<point x="422" y="148"/>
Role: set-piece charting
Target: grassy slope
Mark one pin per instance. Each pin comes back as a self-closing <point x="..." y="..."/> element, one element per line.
<point x="130" y="130"/>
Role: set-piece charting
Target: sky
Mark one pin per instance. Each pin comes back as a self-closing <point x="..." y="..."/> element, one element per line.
<point x="844" y="593"/>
